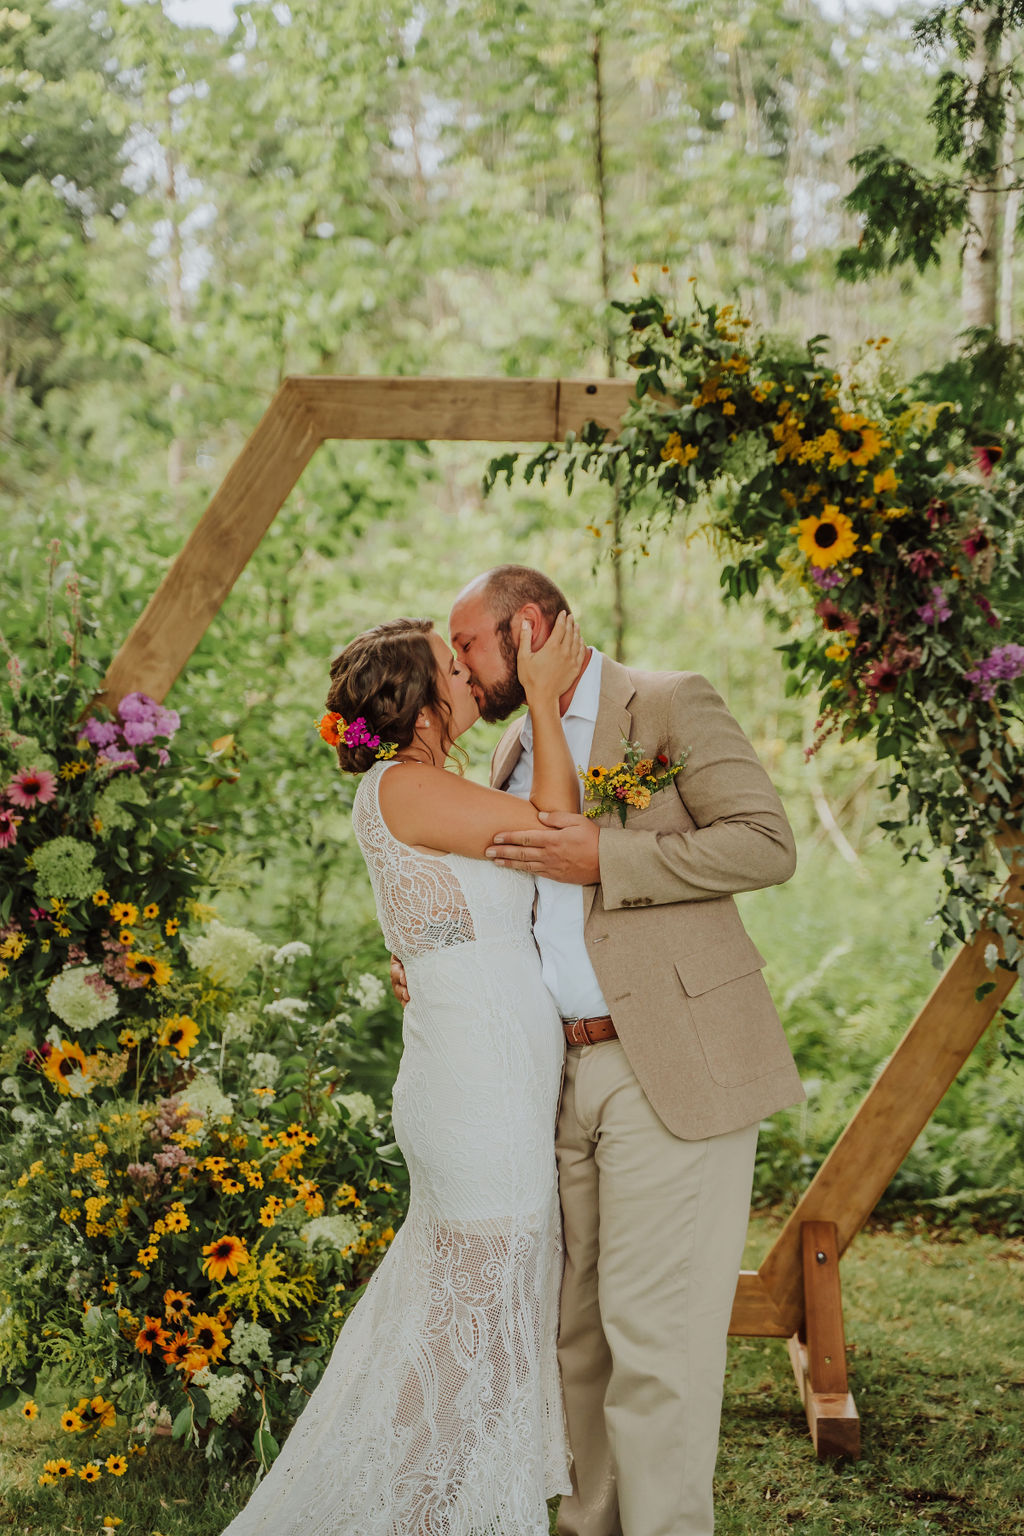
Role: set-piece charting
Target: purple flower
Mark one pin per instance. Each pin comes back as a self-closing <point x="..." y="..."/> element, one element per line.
<point x="992" y="618"/>
<point x="101" y="733"/>
<point x="1002" y="665"/>
<point x="826" y="578"/>
<point x="117" y="757"/>
<point x="938" y="610"/>
<point x="137" y="733"/>
<point x="138" y="709"/>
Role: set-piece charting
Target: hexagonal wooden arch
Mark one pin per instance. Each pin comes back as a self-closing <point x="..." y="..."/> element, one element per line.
<point x="794" y="1294"/>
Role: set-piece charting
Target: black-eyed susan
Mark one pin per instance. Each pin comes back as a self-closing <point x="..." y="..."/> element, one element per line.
<point x="91" y="1472"/>
<point x="60" y="1467"/>
<point x="177" y="1305"/>
<point x="178" y="1033"/>
<point x="177" y="1219"/>
<point x="46" y="1480"/>
<point x="827" y="539"/>
<point x="30" y="1410"/>
<point x="151" y="910"/>
<point x="208" y="1335"/>
<point x="71" y="1421"/>
<point x="128" y="1039"/>
<point x="178" y="1350"/>
<point x="124" y="912"/>
<point x="101" y="898"/>
<point x="126" y="937"/>
<point x="224" y="1256"/>
<point x="148" y="969"/>
<point x="171" y="927"/>
<point x="270" y="1210"/>
<point x="150" y="1336"/>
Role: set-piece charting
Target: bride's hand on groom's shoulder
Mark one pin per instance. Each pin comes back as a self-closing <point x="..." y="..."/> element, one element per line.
<point x="553" y="668"/>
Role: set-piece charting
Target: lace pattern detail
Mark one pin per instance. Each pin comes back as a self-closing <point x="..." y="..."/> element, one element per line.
<point x="440" y="1411"/>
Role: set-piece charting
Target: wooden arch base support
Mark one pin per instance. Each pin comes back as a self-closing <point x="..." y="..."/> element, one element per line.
<point x="818" y="1351"/>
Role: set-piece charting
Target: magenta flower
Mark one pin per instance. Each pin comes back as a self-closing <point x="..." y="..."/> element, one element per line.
<point x="32" y="787"/>
<point x="826" y="578"/>
<point x="938" y="610"/>
<point x="9" y="824"/>
<point x="117" y="757"/>
<point x="924" y="562"/>
<point x="357" y="734"/>
<point x="992" y="618"/>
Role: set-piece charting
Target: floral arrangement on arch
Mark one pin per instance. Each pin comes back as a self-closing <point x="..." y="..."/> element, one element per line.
<point x="886" y="542"/>
<point x="189" y="1197"/>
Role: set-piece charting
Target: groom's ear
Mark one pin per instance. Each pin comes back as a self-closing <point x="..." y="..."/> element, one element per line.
<point x="539" y="625"/>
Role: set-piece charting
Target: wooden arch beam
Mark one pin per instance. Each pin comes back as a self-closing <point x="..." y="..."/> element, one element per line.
<point x="304" y="413"/>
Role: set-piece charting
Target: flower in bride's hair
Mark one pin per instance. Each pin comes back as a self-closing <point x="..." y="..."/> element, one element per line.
<point x="358" y="734"/>
<point x="331" y="726"/>
<point x="386" y="750"/>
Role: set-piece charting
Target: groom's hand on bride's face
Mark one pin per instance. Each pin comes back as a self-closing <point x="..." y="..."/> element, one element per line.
<point x="565" y="849"/>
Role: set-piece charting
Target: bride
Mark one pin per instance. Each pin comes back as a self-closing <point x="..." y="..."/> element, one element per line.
<point x="440" y="1411"/>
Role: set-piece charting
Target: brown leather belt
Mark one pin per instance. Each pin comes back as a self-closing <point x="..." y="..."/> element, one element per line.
<point x="589" y="1031"/>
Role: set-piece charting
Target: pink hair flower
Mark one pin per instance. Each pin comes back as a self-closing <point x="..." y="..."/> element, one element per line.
<point x="31" y="787"/>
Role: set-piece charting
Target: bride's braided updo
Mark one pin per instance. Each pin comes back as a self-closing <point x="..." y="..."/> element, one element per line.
<point x="386" y="676"/>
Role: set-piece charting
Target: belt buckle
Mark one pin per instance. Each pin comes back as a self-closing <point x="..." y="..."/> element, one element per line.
<point x="577" y="1031"/>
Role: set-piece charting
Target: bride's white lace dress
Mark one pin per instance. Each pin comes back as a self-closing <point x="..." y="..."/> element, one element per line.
<point x="440" y="1412"/>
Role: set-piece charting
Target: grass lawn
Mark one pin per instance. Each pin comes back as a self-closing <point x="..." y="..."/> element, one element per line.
<point x="936" y="1353"/>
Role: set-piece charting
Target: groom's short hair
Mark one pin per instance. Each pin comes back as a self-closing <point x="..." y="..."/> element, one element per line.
<point x="507" y="588"/>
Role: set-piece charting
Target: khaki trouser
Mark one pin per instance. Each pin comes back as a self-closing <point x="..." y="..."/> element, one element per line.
<point x="654" y="1232"/>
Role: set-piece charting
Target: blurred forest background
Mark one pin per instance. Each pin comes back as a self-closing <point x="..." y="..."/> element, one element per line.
<point x="190" y="213"/>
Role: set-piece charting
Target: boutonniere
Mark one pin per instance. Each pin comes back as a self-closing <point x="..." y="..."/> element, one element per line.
<point x="629" y="783"/>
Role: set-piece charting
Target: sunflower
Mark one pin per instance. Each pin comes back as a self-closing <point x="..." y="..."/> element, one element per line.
<point x="208" y="1335"/>
<point x="827" y="539"/>
<point x="179" y="1033"/>
<point x="61" y="1063"/>
<point x="151" y="1335"/>
<point x="148" y="968"/>
<point x="224" y="1257"/>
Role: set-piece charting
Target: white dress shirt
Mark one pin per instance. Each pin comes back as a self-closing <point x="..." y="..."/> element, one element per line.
<point x="558" y="926"/>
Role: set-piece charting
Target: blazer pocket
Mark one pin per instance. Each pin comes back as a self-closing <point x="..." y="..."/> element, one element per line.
<point x="732" y="1011"/>
<point x="712" y="967"/>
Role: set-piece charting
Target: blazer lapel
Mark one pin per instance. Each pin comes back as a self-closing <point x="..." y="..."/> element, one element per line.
<point x="614" y="721"/>
<point x="506" y="754"/>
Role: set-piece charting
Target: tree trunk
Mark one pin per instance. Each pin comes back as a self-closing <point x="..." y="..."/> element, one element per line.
<point x="1011" y="213"/>
<point x="600" y="187"/>
<point x="981" y="250"/>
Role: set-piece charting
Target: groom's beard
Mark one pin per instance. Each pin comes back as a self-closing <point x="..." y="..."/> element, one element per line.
<point x="502" y="699"/>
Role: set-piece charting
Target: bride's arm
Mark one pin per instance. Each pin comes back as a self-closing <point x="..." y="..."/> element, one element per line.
<point x="545" y="675"/>
<point x="428" y="807"/>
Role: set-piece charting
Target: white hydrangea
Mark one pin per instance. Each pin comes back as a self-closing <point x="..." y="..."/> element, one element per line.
<point x="236" y="1026"/>
<point x="367" y="990"/>
<point x="249" y="1343"/>
<point x="227" y="955"/>
<point x="359" y="1105"/>
<point x="292" y="1009"/>
<point x="338" y="1231"/>
<point x="204" y="1097"/>
<point x="289" y="953"/>
<point x="82" y="1003"/>
<point x="264" y="1069"/>
<point x="225" y="1392"/>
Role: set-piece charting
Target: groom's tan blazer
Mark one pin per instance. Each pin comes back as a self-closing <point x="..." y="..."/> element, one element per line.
<point x="678" y="970"/>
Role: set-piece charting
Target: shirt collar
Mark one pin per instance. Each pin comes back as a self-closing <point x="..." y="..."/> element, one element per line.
<point x="584" y="704"/>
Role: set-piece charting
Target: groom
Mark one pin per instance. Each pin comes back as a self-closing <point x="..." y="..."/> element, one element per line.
<point x="674" y="1054"/>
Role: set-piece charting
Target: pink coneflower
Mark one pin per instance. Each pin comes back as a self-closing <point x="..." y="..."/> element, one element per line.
<point x="32" y="787"/>
<point x="9" y="824"/>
